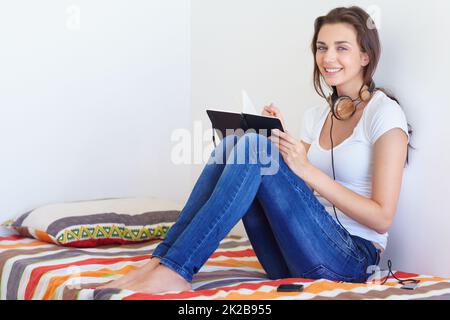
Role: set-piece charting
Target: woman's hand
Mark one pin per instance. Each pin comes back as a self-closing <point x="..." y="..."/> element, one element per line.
<point x="273" y="111"/>
<point x="292" y="150"/>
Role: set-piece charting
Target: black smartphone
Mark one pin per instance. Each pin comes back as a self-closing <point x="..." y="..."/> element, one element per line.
<point x="291" y="287"/>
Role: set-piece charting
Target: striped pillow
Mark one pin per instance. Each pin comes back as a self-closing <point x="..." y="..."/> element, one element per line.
<point x="98" y="222"/>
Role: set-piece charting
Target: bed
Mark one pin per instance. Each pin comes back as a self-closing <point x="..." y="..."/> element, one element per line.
<point x="32" y="269"/>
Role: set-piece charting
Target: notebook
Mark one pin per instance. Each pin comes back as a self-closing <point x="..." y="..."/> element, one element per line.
<point x="248" y="120"/>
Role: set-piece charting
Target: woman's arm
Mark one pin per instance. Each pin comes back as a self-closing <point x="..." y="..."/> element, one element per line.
<point x="378" y="212"/>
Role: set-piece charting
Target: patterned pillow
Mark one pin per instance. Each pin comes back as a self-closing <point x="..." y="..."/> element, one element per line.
<point x="98" y="222"/>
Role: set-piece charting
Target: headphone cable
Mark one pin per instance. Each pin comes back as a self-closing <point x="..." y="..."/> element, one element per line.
<point x="334" y="175"/>
<point x="400" y="281"/>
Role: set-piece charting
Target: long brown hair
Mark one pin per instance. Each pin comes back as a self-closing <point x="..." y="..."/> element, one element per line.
<point x="368" y="40"/>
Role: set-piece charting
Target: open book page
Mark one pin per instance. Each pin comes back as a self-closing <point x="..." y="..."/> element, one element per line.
<point x="247" y="104"/>
<point x="249" y="107"/>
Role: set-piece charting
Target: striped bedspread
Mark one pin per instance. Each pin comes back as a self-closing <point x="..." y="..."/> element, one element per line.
<point x="32" y="269"/>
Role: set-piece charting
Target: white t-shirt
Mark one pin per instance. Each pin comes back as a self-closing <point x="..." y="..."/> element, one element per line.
<point x="353" y="163"/>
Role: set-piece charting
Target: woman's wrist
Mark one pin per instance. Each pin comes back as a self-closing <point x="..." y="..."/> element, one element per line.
<point x="306" y="172"/>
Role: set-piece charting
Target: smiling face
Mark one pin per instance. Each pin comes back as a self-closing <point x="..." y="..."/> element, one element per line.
<point x="339" y="57"/>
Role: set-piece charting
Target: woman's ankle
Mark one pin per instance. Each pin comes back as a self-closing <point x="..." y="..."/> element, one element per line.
<point x="173" y="275"/>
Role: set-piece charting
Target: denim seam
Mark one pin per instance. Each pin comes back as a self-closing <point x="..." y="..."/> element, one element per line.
<point x="335" y="274"/>
<point x="302" y="192"/>
<point x="191" y="254"/>
<point x="177" y="268"/>
<point x="162" y="245"/>
<point x="362" y="248"/>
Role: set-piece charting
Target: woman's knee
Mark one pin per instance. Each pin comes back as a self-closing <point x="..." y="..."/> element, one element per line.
<point x="250" y="144"/>
<point x="255" y="137"/>
<point x="259" y="149"/>
<point x="253" y="141"/>
<point x="231" y="139"/>
<point x="221" y="152"/>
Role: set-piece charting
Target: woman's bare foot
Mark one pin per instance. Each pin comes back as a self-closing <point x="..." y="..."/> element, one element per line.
<point x="160" y="279"/>
<point x="132" y="275"/>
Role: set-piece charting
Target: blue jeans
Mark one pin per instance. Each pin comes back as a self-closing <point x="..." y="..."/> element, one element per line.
<point x="291" y="232"/>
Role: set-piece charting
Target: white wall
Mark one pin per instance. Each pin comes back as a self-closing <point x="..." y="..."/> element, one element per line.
<point x="263" y="46"/>
<point x="84" y="108"/>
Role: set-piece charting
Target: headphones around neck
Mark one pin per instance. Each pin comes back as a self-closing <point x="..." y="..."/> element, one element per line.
<point x="343" y="107"/>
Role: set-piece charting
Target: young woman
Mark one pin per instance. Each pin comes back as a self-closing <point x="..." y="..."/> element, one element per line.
<point x="301" y="221"/>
